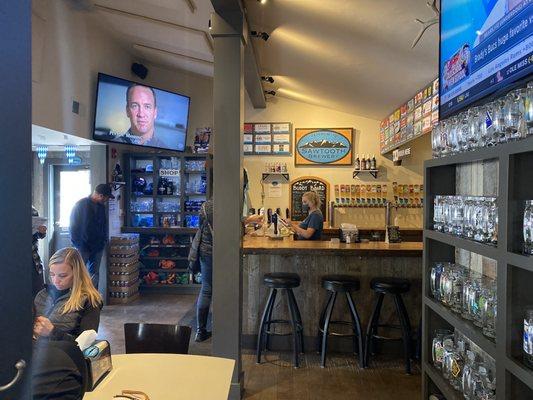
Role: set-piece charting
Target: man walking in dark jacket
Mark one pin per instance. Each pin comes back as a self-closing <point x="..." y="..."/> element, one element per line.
<point x="88" y="228"/>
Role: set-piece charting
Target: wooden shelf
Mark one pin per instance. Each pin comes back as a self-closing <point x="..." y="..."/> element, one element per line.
<point x="485" y="250"/>
<point x="520" y="260"/>
<point x="444" y="386"/>
<point x="466" y="327"/>
<point x="520" y="371"/>
<point x="167" y="246"/>
<point x="160" y="230"/>
<point x="514" y="271"/>
<point x="485" y="153"/>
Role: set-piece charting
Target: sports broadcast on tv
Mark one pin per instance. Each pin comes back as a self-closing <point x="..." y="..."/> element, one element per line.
<point x="484" y="45"/>
<point x="137" y="114"/>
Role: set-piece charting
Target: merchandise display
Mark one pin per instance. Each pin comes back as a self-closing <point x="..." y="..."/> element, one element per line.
<point x="123" y="270"/>
<point x="467" y="293"/>
<point x="413" y="119"/>
<point x="377" y="195"/>
<point x="468" y="369"/>
<point x="471" y="217"/>
<point x="505" y="119"/>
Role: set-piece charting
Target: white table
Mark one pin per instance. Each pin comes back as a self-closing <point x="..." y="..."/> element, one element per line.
<point x="167" y="377"/>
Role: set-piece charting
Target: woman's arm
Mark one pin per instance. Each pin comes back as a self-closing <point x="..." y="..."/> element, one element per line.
<point x="306" y="233"/>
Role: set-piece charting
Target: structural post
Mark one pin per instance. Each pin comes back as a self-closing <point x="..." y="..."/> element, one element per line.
<point x="16" y="265"/>
<point x="228" y="94"/>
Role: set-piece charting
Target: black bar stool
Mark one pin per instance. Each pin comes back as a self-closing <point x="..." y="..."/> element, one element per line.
<point x="395" y="287"/>
<point x="281" y="281"/>
<point x="335" y="284"/>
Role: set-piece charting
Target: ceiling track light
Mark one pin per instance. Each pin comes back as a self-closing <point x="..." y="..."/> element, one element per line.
<point x="209" y="26"/>
<point x="268" y="79"/>
<point x="261" y="35"/>
<point x="270" y="92"/>
<point x="262" y="1"/>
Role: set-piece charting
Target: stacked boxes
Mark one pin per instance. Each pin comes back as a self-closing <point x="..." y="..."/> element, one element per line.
<point x="123" y="271"/>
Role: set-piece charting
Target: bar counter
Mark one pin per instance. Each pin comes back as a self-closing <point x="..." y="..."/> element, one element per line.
<point x="314" y="259"/>
<point x="287" y="245"/>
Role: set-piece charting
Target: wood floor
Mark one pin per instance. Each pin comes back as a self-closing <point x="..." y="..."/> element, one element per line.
<point x="275" y="378"/>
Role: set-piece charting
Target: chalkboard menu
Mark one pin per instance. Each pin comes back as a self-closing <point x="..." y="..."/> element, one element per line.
<point x="308" y="184"/>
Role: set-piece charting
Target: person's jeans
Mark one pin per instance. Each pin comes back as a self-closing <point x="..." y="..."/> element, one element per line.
<point x="204" y="297"/>
<point x="92" y="261"/>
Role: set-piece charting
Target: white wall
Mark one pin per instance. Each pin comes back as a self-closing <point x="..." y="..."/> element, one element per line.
<point x="69" y="49"/>
<point x="303" y="115"/>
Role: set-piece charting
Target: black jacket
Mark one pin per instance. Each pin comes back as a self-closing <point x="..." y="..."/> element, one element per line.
<point x="88" y="225"/>
<point x="66" y="326"/>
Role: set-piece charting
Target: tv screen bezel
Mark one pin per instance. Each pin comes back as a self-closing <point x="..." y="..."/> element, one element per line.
<point x="489" y="93"/>
<point x="133" y="144"/>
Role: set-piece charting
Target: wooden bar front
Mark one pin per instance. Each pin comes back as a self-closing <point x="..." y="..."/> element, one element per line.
<point x="314" y="259"/>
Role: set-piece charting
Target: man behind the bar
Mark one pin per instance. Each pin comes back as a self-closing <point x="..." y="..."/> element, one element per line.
<point x="141" y="109"/>
<point x="88" y="228"/>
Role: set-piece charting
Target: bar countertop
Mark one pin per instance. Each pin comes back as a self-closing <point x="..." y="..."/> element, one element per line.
<point x="289" y="246"/>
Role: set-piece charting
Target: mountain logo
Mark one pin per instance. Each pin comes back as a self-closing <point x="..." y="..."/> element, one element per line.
<point x="323" y="146"/>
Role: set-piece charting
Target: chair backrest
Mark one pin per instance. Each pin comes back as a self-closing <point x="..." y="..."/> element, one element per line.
<point x="157" y="338"/>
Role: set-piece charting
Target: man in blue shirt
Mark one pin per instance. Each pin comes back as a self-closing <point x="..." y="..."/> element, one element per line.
<point x="88" y="228"/>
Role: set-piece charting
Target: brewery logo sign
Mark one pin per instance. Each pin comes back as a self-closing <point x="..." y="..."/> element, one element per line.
<point x="324" y="146"/>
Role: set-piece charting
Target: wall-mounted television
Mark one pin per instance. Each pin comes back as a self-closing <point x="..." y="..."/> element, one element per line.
<point x="134" y="113"/>
<point x="485" y="45"/>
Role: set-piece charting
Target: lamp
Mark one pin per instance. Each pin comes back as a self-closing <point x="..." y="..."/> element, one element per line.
<point x="261" y="35"/>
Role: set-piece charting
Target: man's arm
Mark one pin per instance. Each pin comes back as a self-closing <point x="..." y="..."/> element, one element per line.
<point x="76" y="225"/>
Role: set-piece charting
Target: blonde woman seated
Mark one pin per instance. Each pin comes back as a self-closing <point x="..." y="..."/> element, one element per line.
<point x="70" y="304"/>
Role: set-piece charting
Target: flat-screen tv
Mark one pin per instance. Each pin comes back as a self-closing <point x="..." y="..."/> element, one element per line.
<point x="484" y="46"/>
<point x="135" y="113"/>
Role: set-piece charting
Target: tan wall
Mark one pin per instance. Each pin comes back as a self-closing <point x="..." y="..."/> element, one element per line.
<point x="69" y="49"/>
<point x="303" y="115"/>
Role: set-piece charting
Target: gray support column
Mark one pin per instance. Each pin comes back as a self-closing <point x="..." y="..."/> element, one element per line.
<point x="15" y="182"/>
<point x="228" y="93"/>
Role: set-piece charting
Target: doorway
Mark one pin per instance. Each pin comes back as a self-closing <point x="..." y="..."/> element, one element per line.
<point x="70" y="184"/>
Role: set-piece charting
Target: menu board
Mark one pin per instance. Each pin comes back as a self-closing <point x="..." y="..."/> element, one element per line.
<point x="412" y="119"/>
<point x="267" y="138"/>
<point x="307" y="184"/>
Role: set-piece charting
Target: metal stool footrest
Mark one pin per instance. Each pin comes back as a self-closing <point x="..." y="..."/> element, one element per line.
<point x="337" y="333"/>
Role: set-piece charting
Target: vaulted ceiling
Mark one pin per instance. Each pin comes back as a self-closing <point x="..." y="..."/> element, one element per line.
<point x="349" y="55"/>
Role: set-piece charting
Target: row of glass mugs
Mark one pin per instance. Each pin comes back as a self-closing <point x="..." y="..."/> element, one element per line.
<point x="468" y="369"/>
<point x="467" y="293"/>
<point x="472" y="217"/>
<point x="528" y="227"/>
<point x="505" y="119"/>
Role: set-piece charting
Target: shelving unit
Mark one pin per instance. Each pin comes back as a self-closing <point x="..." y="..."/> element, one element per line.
<point x="181" y="233"/>
<point x="514" y="270"/>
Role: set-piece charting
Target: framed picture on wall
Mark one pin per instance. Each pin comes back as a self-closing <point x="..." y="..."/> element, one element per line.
<point x="323" y="146"/>
<point x="267" y="138"/>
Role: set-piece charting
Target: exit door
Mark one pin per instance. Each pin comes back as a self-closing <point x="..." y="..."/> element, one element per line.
<point x="71" y="183"/>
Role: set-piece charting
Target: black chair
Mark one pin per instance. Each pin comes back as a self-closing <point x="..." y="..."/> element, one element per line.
<point x="335" y="284"/>
<point x="395" y="287"/>
<point x="281" y="281"/>
<point x="157" y="338"/>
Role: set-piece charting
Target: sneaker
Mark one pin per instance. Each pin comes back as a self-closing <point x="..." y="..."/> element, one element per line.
<point x="202" y="336"/>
